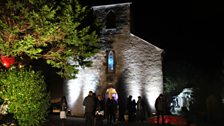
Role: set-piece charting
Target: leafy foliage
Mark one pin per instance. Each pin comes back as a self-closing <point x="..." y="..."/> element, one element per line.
<point x="56" y="31"/>
<point x="26" y="94"/>
<point x="179" y="75"/>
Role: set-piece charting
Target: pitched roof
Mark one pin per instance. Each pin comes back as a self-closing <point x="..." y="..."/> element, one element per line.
<point x="132" y="36"/>
<point x="110" y="5"/>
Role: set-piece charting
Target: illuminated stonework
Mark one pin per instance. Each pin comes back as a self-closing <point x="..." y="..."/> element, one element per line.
<point x="138" y="70"/>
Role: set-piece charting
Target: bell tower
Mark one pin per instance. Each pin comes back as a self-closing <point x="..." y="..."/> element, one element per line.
<point x="115" y="21"/>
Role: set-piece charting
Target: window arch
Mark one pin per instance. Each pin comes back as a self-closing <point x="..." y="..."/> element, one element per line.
<point x="110" y="20"/>
<point x="110" y="61"/>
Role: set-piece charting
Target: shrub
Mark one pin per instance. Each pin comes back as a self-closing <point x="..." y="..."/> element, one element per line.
<point x="27" y="95"/>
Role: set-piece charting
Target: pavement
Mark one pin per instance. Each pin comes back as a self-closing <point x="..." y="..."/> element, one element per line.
<point x="54" y="120"/>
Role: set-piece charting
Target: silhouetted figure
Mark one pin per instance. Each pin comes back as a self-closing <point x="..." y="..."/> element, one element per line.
<point x="111" y="106"/>
<point x="140" y="111"/>
<point x="122" y="109"/>
<point x="160" y="105"/>
<point x="94" y="115"/>
<point x="129" y="108"/>
<point x="89" y="103"/>
<point x="99" y="114"/>
<point x="133" y="110"/>
<point x="64" y="107"/>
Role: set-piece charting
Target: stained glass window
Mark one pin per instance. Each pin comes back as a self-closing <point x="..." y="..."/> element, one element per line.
<point x="110" y="61"/>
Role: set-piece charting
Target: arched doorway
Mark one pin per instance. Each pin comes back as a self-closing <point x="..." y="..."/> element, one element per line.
<point x="111" y="92"/>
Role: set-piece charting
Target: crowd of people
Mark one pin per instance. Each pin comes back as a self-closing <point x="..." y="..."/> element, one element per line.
<point x="98" y="108"/>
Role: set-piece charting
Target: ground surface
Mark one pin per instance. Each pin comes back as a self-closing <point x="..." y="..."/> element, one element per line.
<point x="54" y="120"/>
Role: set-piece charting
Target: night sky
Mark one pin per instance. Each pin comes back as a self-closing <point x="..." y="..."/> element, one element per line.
<point x="186" y="30"/>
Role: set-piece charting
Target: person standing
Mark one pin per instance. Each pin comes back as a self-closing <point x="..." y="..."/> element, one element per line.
<point x="111" y="106"/>
<point x="133" y="110"/>
<point x="129" y="107"/>
<point x="140" y="113"/>
<point x="89" y="103"/>
<point x="160" y="105"/>
<point x="63" y="111"/>
<point x="100" y="105"/>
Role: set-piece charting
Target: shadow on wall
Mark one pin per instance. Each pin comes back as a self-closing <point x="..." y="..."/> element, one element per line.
<point x="122" y="101"/>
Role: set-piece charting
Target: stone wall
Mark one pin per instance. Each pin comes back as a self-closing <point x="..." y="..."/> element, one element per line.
<point x="138" y="64"/>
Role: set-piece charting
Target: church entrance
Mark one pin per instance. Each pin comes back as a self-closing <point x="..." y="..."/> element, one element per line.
<point x="111" y="92"/>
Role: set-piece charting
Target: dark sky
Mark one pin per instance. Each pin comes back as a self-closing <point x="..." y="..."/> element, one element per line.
<point x="186" y="30"/>
<point x="183" y="29"/>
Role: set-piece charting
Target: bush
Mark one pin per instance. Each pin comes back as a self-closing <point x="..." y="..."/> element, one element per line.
<point x="27" y="95"/>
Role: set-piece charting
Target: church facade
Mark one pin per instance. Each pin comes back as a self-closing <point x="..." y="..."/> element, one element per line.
<point x="126" y="65"/>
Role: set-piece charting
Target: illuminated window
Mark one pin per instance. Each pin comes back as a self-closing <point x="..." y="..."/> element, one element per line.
<point x="110" y="61"/>
<point x="110" y="20"/>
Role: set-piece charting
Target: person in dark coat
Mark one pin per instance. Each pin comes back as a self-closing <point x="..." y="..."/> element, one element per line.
<point x="100" y="108"/>
<point x="129" y="108"/>
<point x="133" y="110"/>
<point x="111" y="106"/>
<point x="140" y="111"/>
<point x="89" y="103"/>
<point x="160" y="105"/>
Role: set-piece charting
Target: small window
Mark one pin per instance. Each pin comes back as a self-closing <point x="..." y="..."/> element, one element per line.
<point x="110" y="20"/>
<point x="110" y="61"/>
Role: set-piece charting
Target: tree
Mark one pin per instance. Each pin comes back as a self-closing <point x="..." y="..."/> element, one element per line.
<point x="55" y="31"/>
<point x="26" y="95"/>
<point x="179" y="75"/>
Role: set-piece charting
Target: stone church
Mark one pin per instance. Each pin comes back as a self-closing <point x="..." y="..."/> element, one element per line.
<point x="126" y="65"/>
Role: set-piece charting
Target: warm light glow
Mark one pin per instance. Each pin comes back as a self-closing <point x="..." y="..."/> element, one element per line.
<point x="20" y="65"/>
<point x="111" y="92"/>
<point x="7" y="61"/>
